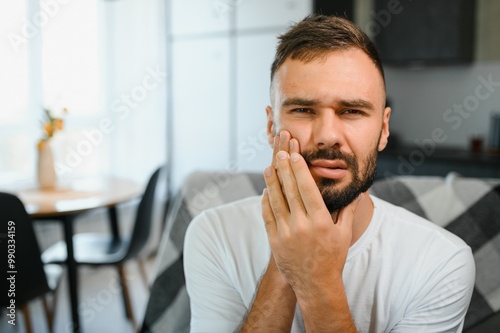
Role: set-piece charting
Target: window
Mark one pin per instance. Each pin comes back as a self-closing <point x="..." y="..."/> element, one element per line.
<point x="87" y="56"/>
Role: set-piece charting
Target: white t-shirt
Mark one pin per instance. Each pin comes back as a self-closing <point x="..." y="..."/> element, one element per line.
<point x="405" y="274"/>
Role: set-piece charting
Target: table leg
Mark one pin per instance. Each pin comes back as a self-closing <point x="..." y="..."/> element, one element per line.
<point x="72" y="272"/>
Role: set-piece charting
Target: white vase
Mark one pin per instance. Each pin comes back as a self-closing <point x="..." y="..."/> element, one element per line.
<point x="47" y="177"/>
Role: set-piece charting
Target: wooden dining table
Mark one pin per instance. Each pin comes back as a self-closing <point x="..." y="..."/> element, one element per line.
<point x="69" y="199"/>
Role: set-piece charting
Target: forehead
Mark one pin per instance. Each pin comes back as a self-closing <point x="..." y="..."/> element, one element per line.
<point x="340" y="74"/>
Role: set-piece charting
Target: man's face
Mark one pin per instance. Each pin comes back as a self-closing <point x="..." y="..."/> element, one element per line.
<point x="334" y="107"/>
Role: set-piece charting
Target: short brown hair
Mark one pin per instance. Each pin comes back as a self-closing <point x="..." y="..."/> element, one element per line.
<point x="317" y="35"/>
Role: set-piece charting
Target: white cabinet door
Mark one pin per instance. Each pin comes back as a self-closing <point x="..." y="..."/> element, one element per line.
<point x="255" y="55"/>
<point x="200" y="96"/>
<point x="252" y="14"/>
<point x="198" y="17"/>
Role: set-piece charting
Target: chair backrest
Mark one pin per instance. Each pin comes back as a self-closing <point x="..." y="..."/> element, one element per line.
<point x="18" y="240"/>
<point x="144" y="216"/>
<point x="168" y="309"/>
<point x="469" y="208"/>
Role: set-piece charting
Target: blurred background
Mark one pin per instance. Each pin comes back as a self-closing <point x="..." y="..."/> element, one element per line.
<point x="186" y="82"/>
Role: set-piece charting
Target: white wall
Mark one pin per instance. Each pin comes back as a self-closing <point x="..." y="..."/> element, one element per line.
<point x="134" y="80"/>
<point x="221" y="57"/>
<point x="426" y="99"/>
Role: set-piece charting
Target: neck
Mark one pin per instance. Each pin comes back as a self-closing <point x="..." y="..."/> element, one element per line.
<point x="362" y="217"/>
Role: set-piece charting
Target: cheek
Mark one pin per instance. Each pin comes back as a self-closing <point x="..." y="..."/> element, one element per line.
<point x="362" y="146"/>
<point x="301" y="132"/>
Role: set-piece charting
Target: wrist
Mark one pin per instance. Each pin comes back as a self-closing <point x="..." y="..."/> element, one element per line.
<point x="276" y="276"/>
<point x="319" y="302"/>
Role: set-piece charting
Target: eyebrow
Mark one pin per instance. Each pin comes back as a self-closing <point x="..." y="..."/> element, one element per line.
<point x="350" y="103"/>
<point x="357" y="103"/>
<point x="299" y="101"/>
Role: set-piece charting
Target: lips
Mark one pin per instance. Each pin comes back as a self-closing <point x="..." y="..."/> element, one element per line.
<point x="333" y="169"/>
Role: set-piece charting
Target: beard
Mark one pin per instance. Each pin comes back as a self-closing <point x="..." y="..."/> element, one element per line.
<point x="336" y="198"/>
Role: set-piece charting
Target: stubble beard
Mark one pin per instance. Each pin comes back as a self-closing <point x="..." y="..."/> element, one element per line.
<point x="336" y="198"/>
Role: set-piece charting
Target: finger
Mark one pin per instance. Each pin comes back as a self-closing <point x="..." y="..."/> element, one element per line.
<point x="284" y="144"/>
<point x="267" y="215"/>
<point x="294" y="146"/>
<point x="309" y="192"/>
<point x="276" y="149"/>
<point x="277" y="200"/>
<point x="289" y="184"/>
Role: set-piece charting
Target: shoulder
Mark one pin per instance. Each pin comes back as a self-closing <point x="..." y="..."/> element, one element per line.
<point x="229" y="227"/>
<point x="239" y="214"/>
<point x="432" y="269"/>
<point x="401" y="223"/>
<point x="417" y="245"/>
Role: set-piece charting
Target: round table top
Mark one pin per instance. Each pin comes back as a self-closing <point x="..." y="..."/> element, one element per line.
<point x="74" y="196"/>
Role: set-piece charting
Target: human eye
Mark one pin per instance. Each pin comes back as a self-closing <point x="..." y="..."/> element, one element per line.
<point x="301" y="110"/>
<point x="352" y="113"/>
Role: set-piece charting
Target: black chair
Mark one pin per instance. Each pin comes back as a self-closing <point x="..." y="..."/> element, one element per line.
<point x="31" y="279"/>
<point x="94" y="249"/>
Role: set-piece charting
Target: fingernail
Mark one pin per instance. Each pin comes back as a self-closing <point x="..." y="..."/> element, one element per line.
<point x="276" y="141"/>
<point x="281" y="155"/>
<point x="264" y="192"/>
<point x="291" y="144"/>
<point x="268" y="171"/>
<point x="282" y="136"/>
<point x="295" y="157"/>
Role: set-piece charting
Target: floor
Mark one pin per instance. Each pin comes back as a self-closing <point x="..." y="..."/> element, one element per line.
<point x="101" y="304"/>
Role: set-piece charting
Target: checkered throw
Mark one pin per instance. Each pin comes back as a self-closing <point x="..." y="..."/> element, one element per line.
<point x="468" y="207"/>
<point x="168" y="306"/>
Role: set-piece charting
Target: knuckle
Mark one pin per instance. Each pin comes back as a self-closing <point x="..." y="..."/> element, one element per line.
<point x="309" y="188"/>
<point x="293" y="196"/>
<point x="279" y="214"/>
<point x="269" y="224"/>
<point x="302" y="229"/>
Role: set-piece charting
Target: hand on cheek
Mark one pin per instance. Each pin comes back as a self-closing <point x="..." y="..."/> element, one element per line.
<point x="307" y="245"/>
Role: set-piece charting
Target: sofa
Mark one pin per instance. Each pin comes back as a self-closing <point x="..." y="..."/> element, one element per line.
<point x="468" y="207"/>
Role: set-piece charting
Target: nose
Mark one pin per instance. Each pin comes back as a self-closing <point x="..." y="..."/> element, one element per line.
<point x="328" y="130"/>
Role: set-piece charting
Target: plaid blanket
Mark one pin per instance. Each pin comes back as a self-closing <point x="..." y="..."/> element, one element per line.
<point x="168" y="306"/>
<point x="468" y="207"/>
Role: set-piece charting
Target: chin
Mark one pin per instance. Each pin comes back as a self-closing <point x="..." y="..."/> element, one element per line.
<point x="337" y="196"/>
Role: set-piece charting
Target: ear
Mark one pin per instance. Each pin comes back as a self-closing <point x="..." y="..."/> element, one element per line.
<point x="270" y="125"/>
<point x="384" y="136"/>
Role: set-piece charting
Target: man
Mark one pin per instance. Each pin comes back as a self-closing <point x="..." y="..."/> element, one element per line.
<point x="316" y="252"/>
